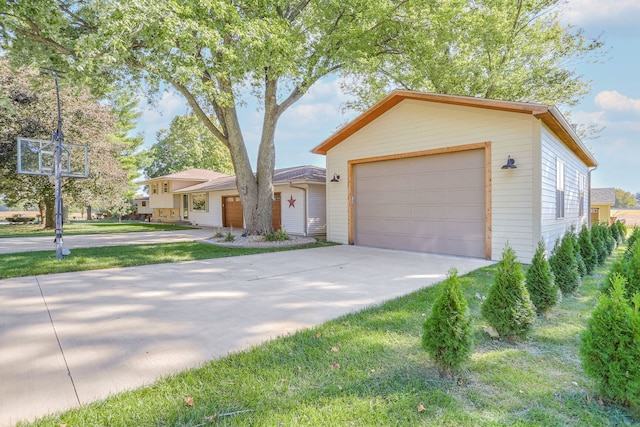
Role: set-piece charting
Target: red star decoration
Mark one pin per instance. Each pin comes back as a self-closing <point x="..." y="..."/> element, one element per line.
<point x="292" y="202"/>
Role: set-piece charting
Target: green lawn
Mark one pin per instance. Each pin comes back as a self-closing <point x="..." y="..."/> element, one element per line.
<point x="86" y="227"/>
<point x="44" y="262"/>
<point x="368" y="369"/>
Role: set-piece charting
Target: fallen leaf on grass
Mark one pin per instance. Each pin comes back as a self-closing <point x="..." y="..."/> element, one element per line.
<point x="600" y="402"/>
<point x="335" y="365"/>
<point x="420" y="408"/>
<point x="335" y="348"/>
<point x="189" y="401"/>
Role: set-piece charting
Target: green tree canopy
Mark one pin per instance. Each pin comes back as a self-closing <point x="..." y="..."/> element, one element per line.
<point x="624" y="199"/>
<point x="187" y="144"/>
<point x="32" y="113"/>
<point x="124" y="106"/>
<point x="212" y="52"/>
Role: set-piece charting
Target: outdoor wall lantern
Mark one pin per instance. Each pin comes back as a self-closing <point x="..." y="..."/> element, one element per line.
<point x="511" y="163"/>
<point x="336" y="178"/>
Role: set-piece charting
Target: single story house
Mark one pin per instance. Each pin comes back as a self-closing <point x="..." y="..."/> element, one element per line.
<point x="212" y="199"/>
<point x="602" y="199"/>
<point x="455" y="175"/>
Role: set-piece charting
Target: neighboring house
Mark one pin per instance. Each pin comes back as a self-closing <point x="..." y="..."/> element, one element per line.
<point x="427" y="172"/>
<point x="167" y="206"/>
<point x="143" y="207"/>
<point x="298" y="208"/>
<point x="602" y="199"/>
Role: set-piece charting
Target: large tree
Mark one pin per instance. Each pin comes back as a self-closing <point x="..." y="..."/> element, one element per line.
<point x="124" y="106"/>
<point x="213" y="52"/>
<point x="624" y="199"/>
<point x="187" y="144"/>
<point x="31" y="113"/>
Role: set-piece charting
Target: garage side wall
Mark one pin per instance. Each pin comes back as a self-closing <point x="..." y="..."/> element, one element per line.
<point x="317" y="210"/>
<point x="414" y="126"/>
<point x="553" y="227"/>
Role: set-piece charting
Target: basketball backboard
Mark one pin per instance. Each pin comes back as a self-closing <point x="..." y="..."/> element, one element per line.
<point x="36" y="157"/>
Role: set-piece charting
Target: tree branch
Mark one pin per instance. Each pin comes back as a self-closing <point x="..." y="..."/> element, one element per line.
<point x="193" y="103"/>
<point x="35" y="35"/>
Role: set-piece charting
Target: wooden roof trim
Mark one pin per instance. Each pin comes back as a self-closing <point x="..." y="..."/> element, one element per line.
<point x="395" y="97"/>
<point x="549" y="115"/>
<point x="558" y="125"/>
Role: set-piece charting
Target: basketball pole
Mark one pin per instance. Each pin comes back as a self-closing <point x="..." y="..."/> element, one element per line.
<point x="58" y="140"/>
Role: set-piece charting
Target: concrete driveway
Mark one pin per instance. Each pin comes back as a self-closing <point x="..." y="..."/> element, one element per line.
<point x="28" y="244"/>
<point x="68" y="339"/>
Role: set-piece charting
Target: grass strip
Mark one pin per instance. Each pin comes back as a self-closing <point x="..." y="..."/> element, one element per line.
<point x="87" y="227"/>
<point x="368" y="369"/>
<point x="44" y="262"/>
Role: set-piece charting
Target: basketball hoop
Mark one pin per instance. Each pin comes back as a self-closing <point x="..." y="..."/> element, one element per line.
<point x="54" y="159"/>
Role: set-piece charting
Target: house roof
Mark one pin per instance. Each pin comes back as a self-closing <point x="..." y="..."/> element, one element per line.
<point x="194" y="174"/>
<point x="292" y="174"/>
<point x="603" y="196"/>
<point x="549" y="115"/>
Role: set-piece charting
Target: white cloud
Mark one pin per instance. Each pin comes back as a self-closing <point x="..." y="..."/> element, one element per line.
<point x="614" y="100"/>
<point x="583" y="12"/>
<point x="590" y="118"/>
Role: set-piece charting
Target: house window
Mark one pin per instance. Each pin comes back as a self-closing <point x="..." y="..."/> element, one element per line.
<point x="199" y="202"/>
<point x="154" y="188"/>
<point x="582" y="183"/>
<point x="143" y="203"/>
<point x="165" y="187"/>
<point x="559" y="188"/>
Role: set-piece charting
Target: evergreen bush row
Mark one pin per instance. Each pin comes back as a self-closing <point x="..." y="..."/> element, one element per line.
<point x="513" y="300"/>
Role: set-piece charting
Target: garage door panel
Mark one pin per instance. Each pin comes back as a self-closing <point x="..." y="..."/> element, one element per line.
<point x="428" y="203"/>
<point x="373" y="198"/>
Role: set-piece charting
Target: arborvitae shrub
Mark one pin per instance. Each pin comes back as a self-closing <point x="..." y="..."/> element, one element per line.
<point x="615" y="232"/>
<point x="610" y="348"/>
<point x="609" y="240"/>
<point x="508" y="307"/>
<point x="447" y="335"/>
<point x="539" y="281"/>
<point x="619" y="232"/>
<point x="582" y="268"/>
<point x="635" y="234"/>
<point x="564" y="265"/>
<point x="628" y="266"/>
<point x="599" y="242"/>
<point x="587" y="250"/>
<point x="622" y="230"/>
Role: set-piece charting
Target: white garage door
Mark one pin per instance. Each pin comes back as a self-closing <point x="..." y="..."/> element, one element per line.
<point x="430" y="203"/>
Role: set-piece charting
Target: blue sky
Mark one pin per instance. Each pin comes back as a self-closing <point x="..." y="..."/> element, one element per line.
<point x="613" y="103"/>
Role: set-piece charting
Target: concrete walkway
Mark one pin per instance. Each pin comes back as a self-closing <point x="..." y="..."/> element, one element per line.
<point x="69" y="339"/>
<point x="28" y="244"/>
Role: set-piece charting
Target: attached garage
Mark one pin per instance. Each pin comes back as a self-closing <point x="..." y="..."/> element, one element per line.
<point x="427" y="203"/>
<point x="232" y="212"/>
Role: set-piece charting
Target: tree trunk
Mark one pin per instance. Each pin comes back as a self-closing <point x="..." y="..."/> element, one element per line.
<point x="256" y="191"/>
<point x="88" y="212"/>
<point x="49" y="222"/>
<point x="42" y="210"/>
